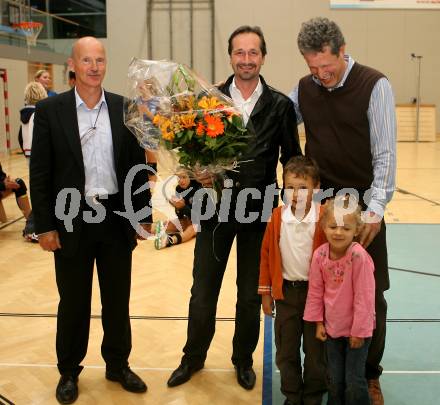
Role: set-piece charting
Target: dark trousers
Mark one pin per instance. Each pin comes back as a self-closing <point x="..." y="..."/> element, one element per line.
<point x="107" y="245"/>
<point x="378" y="252"/>
<point x="210" y="258"/>
<point x="346" y="372"/>
<point x="299" y="388"/>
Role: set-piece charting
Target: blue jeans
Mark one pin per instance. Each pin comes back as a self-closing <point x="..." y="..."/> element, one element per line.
<point x="347" y="384"/>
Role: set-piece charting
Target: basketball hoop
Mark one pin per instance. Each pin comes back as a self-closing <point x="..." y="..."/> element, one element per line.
<point x="30" y="30"/>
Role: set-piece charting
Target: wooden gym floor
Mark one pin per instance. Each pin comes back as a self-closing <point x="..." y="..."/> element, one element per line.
<point x="159" y="305"/>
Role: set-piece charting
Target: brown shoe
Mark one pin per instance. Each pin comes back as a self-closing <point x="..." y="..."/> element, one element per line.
<point x="375" y="392"/>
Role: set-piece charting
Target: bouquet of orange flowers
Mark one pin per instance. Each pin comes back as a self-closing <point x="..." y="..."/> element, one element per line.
<point x="170" y="108"/>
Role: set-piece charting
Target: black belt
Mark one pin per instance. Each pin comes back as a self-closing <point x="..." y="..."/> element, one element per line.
<point x="296" y="283"/>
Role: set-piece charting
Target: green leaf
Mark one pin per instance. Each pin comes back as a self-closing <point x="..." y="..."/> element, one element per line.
<point x="237" y="122"/>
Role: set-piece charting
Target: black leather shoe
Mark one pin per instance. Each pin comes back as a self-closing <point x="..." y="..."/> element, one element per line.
<point x="129" y="380"/>
<point x="67" y="389"/>
<point x="246" y="376"/>
<point x="182" y="374"/>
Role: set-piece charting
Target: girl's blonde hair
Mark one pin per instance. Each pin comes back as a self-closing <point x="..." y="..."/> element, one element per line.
<point x="336" y="207"/>
<point x="33" y="93"/>
<point x="39" y="73"/>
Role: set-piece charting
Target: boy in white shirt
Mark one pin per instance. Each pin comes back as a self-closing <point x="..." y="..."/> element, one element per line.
<point x="289" y="241"/>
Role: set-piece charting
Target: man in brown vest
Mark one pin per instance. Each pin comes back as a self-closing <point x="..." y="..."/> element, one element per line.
<point x="349" y="118"/>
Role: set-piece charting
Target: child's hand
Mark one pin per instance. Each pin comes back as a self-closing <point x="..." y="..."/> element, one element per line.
<point x="178" y="203"/>
<point x="320" y="331"/>
<point x="11" y="184"/>
<point x="356" y="342"/>
<point x="267" y="304"/>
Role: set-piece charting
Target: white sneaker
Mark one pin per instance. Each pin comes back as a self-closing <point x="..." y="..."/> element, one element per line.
<point x="160" y="235"/>
<point x="161" y="241"/>
<point x="31" y="237"/>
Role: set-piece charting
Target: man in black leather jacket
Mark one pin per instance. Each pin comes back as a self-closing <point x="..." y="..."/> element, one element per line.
<point x="271" y="122"/>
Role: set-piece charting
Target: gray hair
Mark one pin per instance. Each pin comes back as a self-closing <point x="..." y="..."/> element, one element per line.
<point x="317" y="33"/>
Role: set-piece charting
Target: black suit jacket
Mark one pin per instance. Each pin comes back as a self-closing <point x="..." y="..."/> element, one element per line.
<point x="273" y="134"/>
<point x="57" y="163"/>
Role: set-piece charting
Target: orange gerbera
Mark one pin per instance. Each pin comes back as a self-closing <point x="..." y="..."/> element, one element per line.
<point x="209" y="103"/>
<point x="187" y="120"/>
<point x="214" y="126"/>
<point x="200" y="129"/>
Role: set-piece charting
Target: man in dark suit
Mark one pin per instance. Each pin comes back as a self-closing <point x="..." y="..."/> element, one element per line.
<point x="81" y="156"/>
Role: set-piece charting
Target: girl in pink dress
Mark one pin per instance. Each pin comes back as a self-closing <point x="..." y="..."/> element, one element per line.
<point x="340" y="300"/>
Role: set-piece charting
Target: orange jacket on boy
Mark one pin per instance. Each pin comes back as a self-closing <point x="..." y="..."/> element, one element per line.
<point x="271" y="277"/>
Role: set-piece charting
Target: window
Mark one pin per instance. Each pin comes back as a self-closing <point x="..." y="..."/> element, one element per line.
<point x="90" y="15"/>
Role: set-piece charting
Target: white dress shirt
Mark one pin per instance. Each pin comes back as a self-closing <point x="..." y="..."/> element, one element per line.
<point x="97" y="147"/>
<point x="296" y="243"/>
<point x="245" y="106"/>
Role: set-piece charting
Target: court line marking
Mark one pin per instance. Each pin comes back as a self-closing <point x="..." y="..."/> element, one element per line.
<point x="267" y="397"/>
<point x="414" y="272"/>
<point x="12" y="221"/>
<point x="412" y="320"/>
<point x="403" y="371"/>
<point x="411" y="372"/>
<point x="8" y="402"/>
<point x="406" y="192"/>
<point x="142" y="317"/>
<point x="36" y="365"/>
<point x="221" y="370"/>
<point x="183" y="318"/>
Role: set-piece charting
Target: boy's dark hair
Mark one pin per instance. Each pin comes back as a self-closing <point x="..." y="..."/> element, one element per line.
<point x="246" y="29"/>
<point x="302" y="166"/>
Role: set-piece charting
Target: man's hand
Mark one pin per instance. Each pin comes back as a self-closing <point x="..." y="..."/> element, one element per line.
<point x="267" y="304"/>
<point x="370" y="229"/>
<point x="320" y="331"/>
<point x="143" y="228"/>
<point x="49" y="241"/>
<point x="356" y="342"/>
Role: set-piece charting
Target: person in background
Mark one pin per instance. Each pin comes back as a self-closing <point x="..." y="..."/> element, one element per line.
<point x="43" y="76"/>
<point x="169" y="234"/>
<point x="147" y="104"/>
<point x="71" y="79"/>
<point x="18" y="187"/>
<point x="33" y="93"/>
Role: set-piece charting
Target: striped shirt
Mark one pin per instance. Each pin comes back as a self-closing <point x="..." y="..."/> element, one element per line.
<point x="382" y="120"/>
